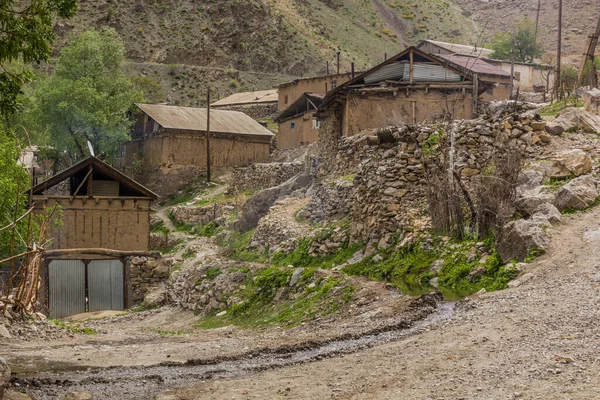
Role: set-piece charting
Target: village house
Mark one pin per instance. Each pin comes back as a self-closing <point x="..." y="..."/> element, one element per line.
<point x="105" y="216"/>
<point x="289" y="92"/>
<point x="411" y="87"/>
<point x="169" y="138"/>
<point x="259" y="104"/>
<point x="529" y="77"/>
<point x="297" y="123"/>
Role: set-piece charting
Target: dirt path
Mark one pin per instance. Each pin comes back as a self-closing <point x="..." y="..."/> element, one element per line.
<point x="540" y="340"/>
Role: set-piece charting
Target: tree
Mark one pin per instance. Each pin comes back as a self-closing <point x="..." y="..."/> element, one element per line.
<point x="14" y="181"/>
<point x="88" y="96"/>
<point x="526" y="46"/>
<point x="26" y="34"/>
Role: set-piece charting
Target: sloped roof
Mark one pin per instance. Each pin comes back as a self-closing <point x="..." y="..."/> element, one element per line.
<point x="474" y="64"/>
<point x="462" y="49"/>
<point x="239" y="99"/>
<point x="306" y="102"/>
<point x="96" y="165"/>
<point x="194" y="119"/>
<point x="418" y="54"/>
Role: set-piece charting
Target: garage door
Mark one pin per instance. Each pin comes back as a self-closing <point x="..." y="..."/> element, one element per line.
<point x="105" y="285"/>
<point x="67" y="287"/>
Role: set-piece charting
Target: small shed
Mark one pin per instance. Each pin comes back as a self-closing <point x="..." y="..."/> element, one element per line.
<point x="105" y="216"/>
<point x="297" y="123"/>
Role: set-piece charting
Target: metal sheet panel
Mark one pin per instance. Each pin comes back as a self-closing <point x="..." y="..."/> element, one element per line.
<point x="423" y="72"/>
<point x="194" y="119"/>
<point x="105" y="285"/>
<point x="394" y="71"/>
<point x="67" y="287"/>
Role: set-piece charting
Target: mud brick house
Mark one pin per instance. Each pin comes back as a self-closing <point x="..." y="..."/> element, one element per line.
<point x="259" y="104"/>
<point x="529" y="77"/>
<point x="290" y="92"/>
<point x="297" y="123"/>
<point x="169" y="138"/>
<point x="105" y="218"/>
<point x="411" y="87"/>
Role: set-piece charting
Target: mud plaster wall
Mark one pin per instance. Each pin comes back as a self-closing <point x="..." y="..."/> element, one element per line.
<point x="185" y="149"/>
<point x="304" y="132"/>
<point x="312" y="85"/>
<point x="100" y="222"/>
<point x="373" y="112"/>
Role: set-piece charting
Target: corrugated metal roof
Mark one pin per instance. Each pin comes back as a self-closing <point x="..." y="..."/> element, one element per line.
<point x="474" y="65"/>
<point x="194" y="119"/>
<point x="463" y="49"/>
<point x="238" y="99"/>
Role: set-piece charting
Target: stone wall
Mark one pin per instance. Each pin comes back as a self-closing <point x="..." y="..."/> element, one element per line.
<point x="145" y="274"/>
<point x="262" y="176"/>
<point x="389" y="188"/>
<point x="195" y="215"/>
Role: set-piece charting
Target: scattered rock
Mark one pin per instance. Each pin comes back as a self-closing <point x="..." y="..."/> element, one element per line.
<point x="576" y="162"/>
<point x="529" y="200"/>
<point x="4" y="332"/>
<point x="4" y="376"/>
<point x="550" y="212"/>
<point x="579" y="194"/>
<point x="521" y="280"/>
<point x="436" y="266"/>
<point x="296" y="275"/>
<point x="518" y="238"/>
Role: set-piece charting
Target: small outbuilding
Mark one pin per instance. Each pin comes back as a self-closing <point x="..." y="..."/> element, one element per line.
<point x="105" y="216"/>
<point x="297" y="123"/>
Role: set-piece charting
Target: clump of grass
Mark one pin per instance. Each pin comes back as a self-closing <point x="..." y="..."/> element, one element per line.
<point x="160" y="227"/>
<point x="213" y="272"/>
<point x="73" y="328"/>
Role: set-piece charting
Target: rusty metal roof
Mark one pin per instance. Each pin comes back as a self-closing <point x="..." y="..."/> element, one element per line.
<point x="474" y="65"/>
<point x="194" y="119"/>
<point x="239" y="99"/>
<point x="462" y="49"/>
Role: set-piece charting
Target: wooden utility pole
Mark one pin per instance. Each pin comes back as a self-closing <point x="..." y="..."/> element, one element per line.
<point x="537" y="22"/>
<point x="590" y="50"/>
<point x="208" y="135"/>
<point x="558" y="51"/>
<point x="512" y="68"/>
<point x="338" y="62"/>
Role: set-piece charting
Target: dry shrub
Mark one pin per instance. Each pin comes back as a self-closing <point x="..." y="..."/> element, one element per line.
<point x="484" y="205"/>
<point x="496" y="191"/>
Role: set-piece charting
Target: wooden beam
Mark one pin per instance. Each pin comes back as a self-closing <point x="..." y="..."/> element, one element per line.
<point x="412" y="67"/>
<point x="99" y="252"/>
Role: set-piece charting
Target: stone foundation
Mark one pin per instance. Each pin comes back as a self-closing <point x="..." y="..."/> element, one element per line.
<point x="263" y="176"/>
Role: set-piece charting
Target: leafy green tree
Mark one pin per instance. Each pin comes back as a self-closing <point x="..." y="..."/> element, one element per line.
<point x="26" y="35"/>
<point x="14" y="181"/>
<point x="526" y="46"/>
<point x="87" y="97"/>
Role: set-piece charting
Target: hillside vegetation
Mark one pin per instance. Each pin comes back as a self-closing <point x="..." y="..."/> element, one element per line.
<point x="187" y="44"/>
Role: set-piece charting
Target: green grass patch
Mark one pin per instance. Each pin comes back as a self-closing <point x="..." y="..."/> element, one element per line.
<point x="171" y="333"/>
<point x="267" y="299"/>
<point x="238" y="244"/>
<point x="73" y="328"/>
<point x="213" y="272"/>
<point x="160" y="227"/>
<point x="554" y="108"/>
<point x="409" y="270"/>
<point x="186" y="195"/>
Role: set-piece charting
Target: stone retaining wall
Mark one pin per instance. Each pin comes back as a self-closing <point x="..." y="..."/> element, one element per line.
<point x="389" y="189"/>
<point x="262" y="176"/>
<point x="144" y="274"/>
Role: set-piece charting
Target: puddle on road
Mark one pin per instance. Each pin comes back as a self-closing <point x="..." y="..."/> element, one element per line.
<point x="144" y="382"/>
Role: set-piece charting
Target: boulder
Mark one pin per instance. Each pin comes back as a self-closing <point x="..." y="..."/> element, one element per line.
<point x="577" y="162"/>
<point x="554" y="128"/>
<point x="591" y="101"/>
<point x="529" y="200"/>
<point x="548" y="211"/>
<point x="578" y="194"/>
<point x="296" y="275"/>
<point x="530" y="179"/>
<point x="258" y="206"/>
<point x="4" y="376"/>
<point x="519" y="238"/>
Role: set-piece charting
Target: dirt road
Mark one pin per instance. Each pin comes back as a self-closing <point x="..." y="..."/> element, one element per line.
<point x="540" y="340"/>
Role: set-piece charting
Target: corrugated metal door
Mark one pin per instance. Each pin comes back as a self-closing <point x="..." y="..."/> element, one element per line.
<point x="105" y="285"/>
<point x="67" y="287"/>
